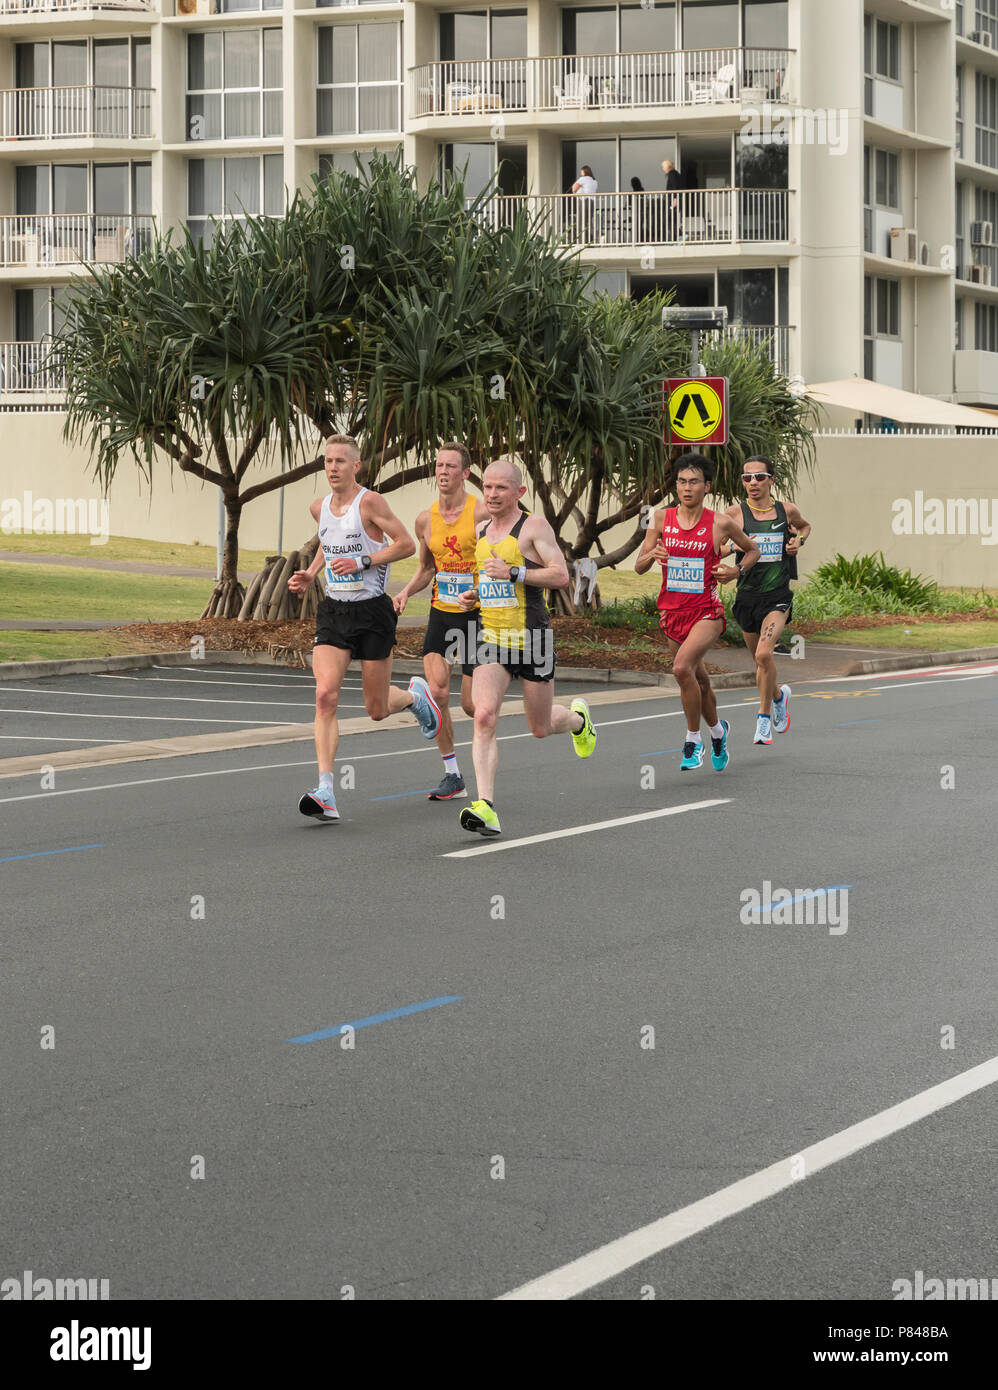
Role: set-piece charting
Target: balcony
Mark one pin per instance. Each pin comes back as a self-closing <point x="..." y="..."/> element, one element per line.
<point x="774" y="338"/>
<point x="700" y="217"/>
<point x="64" y="113"/>
<point x="601" y="82"/>
<point x="35" y="240"/>
<point x="45" y="9"/>
<point x="24" y="372"/>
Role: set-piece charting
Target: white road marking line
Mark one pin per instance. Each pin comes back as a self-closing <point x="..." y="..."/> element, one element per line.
<point x="949" y="680"/>
<point x="64" y="738"/>
<point x="149" y="718"/>
<point x="164" y="699"/>
<point x="612" y="1259"/>
<point x="194" y="680"/>
<point x="923" y="672"/>
<point x="493" y="847"/>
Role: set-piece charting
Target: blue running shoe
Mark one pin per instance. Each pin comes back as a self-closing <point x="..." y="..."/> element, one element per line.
<point x="719" y="748"/>
<point x="781" y="710"/>
<point x="692" y="757"/>
<point x="424" y="707"/>
<point x="320" y="803"/>
<point x="763" y="728"/>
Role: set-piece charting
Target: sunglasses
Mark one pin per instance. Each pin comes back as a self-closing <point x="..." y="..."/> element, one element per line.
<point x="754" y="477"/>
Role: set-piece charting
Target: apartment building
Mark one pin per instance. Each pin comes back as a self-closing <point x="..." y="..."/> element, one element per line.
<point x="838" y="159"/>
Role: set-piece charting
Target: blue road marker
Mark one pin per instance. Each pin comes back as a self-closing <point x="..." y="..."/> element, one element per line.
<point x="377" y="1018"/>
<point x="801" y="897"/>
<point x="40" y="854"/>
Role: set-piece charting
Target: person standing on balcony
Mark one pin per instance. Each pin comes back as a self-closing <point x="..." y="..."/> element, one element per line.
<point x="585" y="188"/>
<point x="673" y="187"/>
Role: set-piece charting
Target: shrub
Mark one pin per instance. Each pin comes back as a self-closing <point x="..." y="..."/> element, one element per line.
<point x="873" y="575"/>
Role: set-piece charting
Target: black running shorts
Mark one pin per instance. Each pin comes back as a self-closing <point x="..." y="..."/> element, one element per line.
<point x="536" y="662"/>
<point x="366" y="629"/>
<point x="452" y="636"/>
<point x="750" y="610"/>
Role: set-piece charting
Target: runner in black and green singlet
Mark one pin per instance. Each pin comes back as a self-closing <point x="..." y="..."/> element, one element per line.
<point x="764" y="603"/>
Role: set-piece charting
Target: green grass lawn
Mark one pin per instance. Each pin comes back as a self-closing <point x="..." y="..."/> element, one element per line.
<point x="51" y="646"/>
<point x="126" y="548"/>
<point x="41" y="591"/>
<point x="937" y="637"/>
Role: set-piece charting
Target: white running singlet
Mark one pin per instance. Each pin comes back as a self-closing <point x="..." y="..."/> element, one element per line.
<point x="345" y="535"/>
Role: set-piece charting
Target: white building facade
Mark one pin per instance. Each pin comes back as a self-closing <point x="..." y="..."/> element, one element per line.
<point x="838" y="158"/>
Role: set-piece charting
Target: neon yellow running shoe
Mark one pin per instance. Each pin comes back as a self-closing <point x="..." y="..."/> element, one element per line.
<point x="481" y="818"/>
<point x="585" y="739"/>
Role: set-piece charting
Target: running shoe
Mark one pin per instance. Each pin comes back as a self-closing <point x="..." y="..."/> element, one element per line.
<point x="763" y="729"/>
<point x="585" y="739"/>
<point x="781" y="710"/>
<point x="481" y="818"/>
<point x="452" y="786"/>
<point x="692" y="757"/>
<point x="424" y="707"/>
<point x="719" y="755"/>
<point x="320" y="803"/>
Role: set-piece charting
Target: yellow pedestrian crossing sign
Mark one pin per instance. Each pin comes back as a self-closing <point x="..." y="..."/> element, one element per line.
<point x="698" y="410"/>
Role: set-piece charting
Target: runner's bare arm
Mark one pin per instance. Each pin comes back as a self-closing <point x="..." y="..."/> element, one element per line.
<point x="652" y="551"/>
<point x="302" y="579"/>
<point x="727" y="528"/>
<point x="427" y="569"/>
<point x="802" y="527"/>
<point x="376" y="514"/>
<point x="536" y="537"/>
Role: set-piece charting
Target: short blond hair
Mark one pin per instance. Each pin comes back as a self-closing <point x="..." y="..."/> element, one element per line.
<point x="344" y="439"/>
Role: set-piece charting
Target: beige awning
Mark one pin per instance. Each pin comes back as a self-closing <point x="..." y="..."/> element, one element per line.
<point x="870" y="398"/>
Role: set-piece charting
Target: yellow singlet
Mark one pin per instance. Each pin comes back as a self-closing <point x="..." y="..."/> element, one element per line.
<point x="508" y="609"/>
<point x="453" y="549"/>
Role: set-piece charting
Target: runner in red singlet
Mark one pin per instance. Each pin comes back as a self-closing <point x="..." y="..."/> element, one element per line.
<point x="686" y="541"/>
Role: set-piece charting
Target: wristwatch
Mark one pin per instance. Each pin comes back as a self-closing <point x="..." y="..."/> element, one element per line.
<point x="365" y="561"/>
<point x="515" y="573"/>
<point x="741" y="570"/>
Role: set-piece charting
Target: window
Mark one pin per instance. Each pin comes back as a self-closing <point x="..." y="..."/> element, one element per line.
<point x="986" y="210"/>
<point x="345" y="161"/>
<point x="236" y="6"/>
<point x="749" y="295"/>
<point x="234" y="84"/>
<point x="986" y="19"/>
<point x="961" y="273"/>
<point x="986" y="327"/>
<point x="474" y="164"/>
<point x="959" y="113"/>
<point x="231" y="188"/>
<point x="711" y="24"/>
<point x="887" y="179"/>
<point x="986" y="150"/>
<point x="887" y="51"/>
<point x="766" y="24"/>
<point x="888" y="308"/>
<point x="359" y="79"/>
<point x="761" y="166"/>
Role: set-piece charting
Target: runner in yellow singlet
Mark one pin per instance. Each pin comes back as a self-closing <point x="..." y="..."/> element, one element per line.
<point x="445" y="533"/>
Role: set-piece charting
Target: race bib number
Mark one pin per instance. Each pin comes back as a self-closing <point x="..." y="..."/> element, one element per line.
<point x="770" y="545"/>
<point x="339" y="584"/>
<point x="496" y="593"/>
<point x="451" y="586"/>
<point x="685" y="575"/>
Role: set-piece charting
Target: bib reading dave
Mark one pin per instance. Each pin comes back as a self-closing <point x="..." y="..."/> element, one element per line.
<point x="514" y="626"/>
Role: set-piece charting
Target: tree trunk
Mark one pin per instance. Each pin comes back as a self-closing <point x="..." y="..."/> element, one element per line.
<point x="230" y="552"/>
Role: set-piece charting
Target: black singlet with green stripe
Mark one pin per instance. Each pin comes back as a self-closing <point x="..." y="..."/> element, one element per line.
<point x="775" y="568"/>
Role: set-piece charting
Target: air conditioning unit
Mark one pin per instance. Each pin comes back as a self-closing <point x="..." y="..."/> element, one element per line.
<point x="923" y="253"/>
<point x="904" y="244"/>
<point x="984" y="37"/>
<point x="982" y="233"/>
<point x="981" y="275"/>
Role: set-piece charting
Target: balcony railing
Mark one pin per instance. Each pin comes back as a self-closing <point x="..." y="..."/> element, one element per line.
<point x="774" y="338"/>
<point x="42" y="239"/>
<point x="58" y="113"/>
<point x="49" y="7"/>
<point x="709" y="216"/>
<point x="24" y="367"/>
<point x="588" y="82"/>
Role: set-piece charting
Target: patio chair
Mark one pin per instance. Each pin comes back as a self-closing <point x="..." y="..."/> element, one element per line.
<point x="575" y="93"/>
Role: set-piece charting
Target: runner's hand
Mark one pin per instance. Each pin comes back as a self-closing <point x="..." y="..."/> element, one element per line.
<point x="345" y="564"/>
<point x="660" y="555"/>
<point x="300" y="581"/>
<point x="495" y="568"/>
<point x="399" y="602"/>
<point x="792" y="546"/>
<point x="469" y="599"/>
<point x="724" y="574"/>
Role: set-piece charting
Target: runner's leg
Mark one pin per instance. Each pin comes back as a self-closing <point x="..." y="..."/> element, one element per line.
<point x="437" y="671"/>
<point x="544" y="717"/>
<point x="694" y="682"/>
<point x="489" y="685"/>
<point x="329" y="666"/>
<point x="765" y="662"/>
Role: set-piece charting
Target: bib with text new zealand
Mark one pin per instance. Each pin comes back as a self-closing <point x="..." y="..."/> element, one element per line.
<point x="451" y="586"/>
<point x="685" y="575"/>
<point x="770" y="546"/>
<point x="495" y="593"/>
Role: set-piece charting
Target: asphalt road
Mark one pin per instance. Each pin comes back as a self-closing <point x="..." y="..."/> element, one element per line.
<point x="467" y="1148"/>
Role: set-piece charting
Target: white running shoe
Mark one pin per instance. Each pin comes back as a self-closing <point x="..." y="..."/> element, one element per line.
<point x="781" y="711"/>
